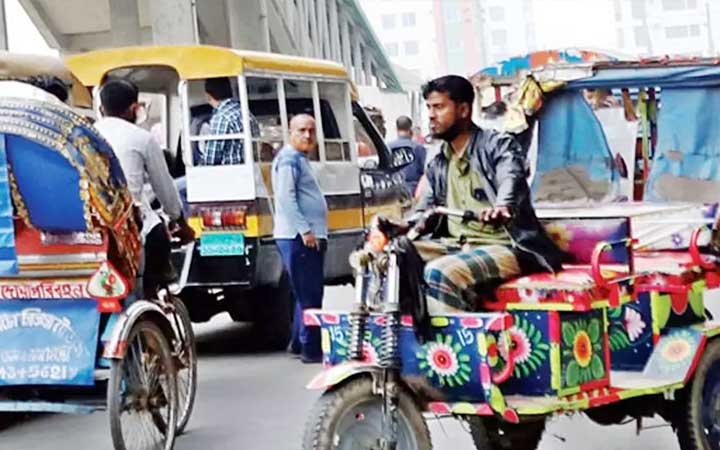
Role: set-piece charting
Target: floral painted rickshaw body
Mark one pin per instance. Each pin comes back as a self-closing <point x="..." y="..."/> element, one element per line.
<point x="622" y="331"/>
<point x="75" y="337"/>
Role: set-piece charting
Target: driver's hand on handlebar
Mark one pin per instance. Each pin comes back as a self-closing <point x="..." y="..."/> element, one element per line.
<point x="181" y="231"/>
<point x="498" y="215"/>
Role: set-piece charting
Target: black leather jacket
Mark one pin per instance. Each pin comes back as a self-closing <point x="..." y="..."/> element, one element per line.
<point x="501" y="161"/>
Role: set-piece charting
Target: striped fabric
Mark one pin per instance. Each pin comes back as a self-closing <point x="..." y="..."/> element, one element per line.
<point x="455" y="279"/>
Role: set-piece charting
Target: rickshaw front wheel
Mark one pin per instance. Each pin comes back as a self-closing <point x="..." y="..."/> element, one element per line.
<point x="185" y="355"/>
<point x="350" y="418"/>
<point x="698" y="421"/>
<point x="142" y="392"/>
<point x="490" y="433"/>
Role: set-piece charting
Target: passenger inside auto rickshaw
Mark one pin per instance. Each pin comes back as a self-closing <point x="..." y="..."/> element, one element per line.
<point x="482" y="171"/>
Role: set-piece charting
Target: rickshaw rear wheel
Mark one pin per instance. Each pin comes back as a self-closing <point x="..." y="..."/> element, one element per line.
<point x="698" y="420"/>
<point x="490" y="433"/>
<point x="143" y="392"/>
<point x="185" y="351"/>
<point x="350" y="418"/>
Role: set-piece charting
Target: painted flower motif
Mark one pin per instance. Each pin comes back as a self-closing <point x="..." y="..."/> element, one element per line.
<point x="582" y="349"/>
<point x="528" y="346"/>
<point x="528" y="295"/>
<point x="634" y="324"/>
<point x="560" y="234"/>
<point x="676" y="349"/>
<point x="677" y="240"/>
<point x="444" y="361"/>
<point x="520" y="346"/>
<point x="493" y="351"/>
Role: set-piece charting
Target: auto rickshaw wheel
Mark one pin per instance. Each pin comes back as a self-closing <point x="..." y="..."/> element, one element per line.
<point x="142" y="392"/>
<point x="185" y="356"/>
<point x="698" y="421"/>
<point x="350" y="418"/>
<point x="491" y="433"/>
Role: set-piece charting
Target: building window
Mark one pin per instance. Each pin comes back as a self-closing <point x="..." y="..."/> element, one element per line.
<point x="641" y="37"/>
<point x="676" y="32"/>
<point x="454" y="45"/>
<point x="678" y="5"/>
<point x="408" y="19"/>
<point x="499" y="38"/>
<point x="388" y="21"/>
<point x="695" y="30"/>
<point x="411" y="48"/>
<point x="497" y="13"/>
<point x="618" y="11"/>
<point x="452" y="14"/>
<point x="391" y="48"/>
<point x="638" y="9"/>
<point x="620" y="38"/>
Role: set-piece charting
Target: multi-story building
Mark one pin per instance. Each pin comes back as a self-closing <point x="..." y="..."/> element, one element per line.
<point x="407" y="31"/>
<point x="651" y="27"/>
<point x="475" y="33"/>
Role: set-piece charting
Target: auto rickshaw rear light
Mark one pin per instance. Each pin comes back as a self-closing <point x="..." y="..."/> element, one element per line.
<point x="229" y="217"/>
<point x="234" y="217"/>
<point x="212" y="217"/>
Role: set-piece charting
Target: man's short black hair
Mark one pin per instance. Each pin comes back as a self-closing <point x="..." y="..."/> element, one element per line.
<point x="219" y="88"/>
<point x="116" y="96"/>
<point x="403" y="123"/>
<point x="51" y="84"/>
<point x="458" y="88"/>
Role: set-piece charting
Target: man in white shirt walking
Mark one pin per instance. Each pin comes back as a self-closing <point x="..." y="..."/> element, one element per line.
<point x="142" y="160"/>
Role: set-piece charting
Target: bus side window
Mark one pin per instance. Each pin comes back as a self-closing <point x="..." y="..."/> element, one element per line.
<point x="264" y="100"/>
<point x="335" y="120"/>
<point x="228" y="138"/>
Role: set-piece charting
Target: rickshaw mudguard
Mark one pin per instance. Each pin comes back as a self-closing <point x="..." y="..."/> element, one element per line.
<point x="333" y="376"/>
<point x="116" y="345"/>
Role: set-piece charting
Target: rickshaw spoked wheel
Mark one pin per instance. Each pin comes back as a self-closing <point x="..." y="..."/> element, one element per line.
<point x="350" y="418"/>
<point x="490" y="433"/>
<point x="185" y="357"/>
<point x="698" y="422"/>
<point x="142" y="392"/>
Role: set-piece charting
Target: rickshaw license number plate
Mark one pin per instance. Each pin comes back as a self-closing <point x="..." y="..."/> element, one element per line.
<point x="222" y="244"/>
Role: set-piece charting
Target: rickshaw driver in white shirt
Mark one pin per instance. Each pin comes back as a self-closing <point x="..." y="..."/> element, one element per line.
<point x="142" y="159"/>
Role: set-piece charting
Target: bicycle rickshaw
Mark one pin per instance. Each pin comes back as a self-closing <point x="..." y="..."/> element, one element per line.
<point x="622" y="332"/>
<point x="75" y="337"/>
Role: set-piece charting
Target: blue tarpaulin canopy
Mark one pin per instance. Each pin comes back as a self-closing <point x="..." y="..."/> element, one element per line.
<point x="664" y="77"/>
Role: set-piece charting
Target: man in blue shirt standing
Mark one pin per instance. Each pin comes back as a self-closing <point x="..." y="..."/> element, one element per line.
<point x="300" y="231"/>
<point x="414" y="171"/>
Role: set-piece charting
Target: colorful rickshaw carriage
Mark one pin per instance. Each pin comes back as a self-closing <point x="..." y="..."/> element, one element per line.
<point x="75" y="337"/>
<point x="623" y="331"/>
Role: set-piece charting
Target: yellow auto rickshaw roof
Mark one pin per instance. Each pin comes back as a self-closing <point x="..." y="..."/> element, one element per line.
<point x="19" y="66"/>
<point x="194" y="62"/>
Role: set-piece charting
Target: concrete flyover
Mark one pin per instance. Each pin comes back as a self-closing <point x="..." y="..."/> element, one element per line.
<point x="330" y="29"/>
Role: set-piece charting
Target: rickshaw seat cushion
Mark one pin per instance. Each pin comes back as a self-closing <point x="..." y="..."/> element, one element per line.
<point x="578" y="237"/>
<point x="48" y="184"/>
<point x="573" y="286"/>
